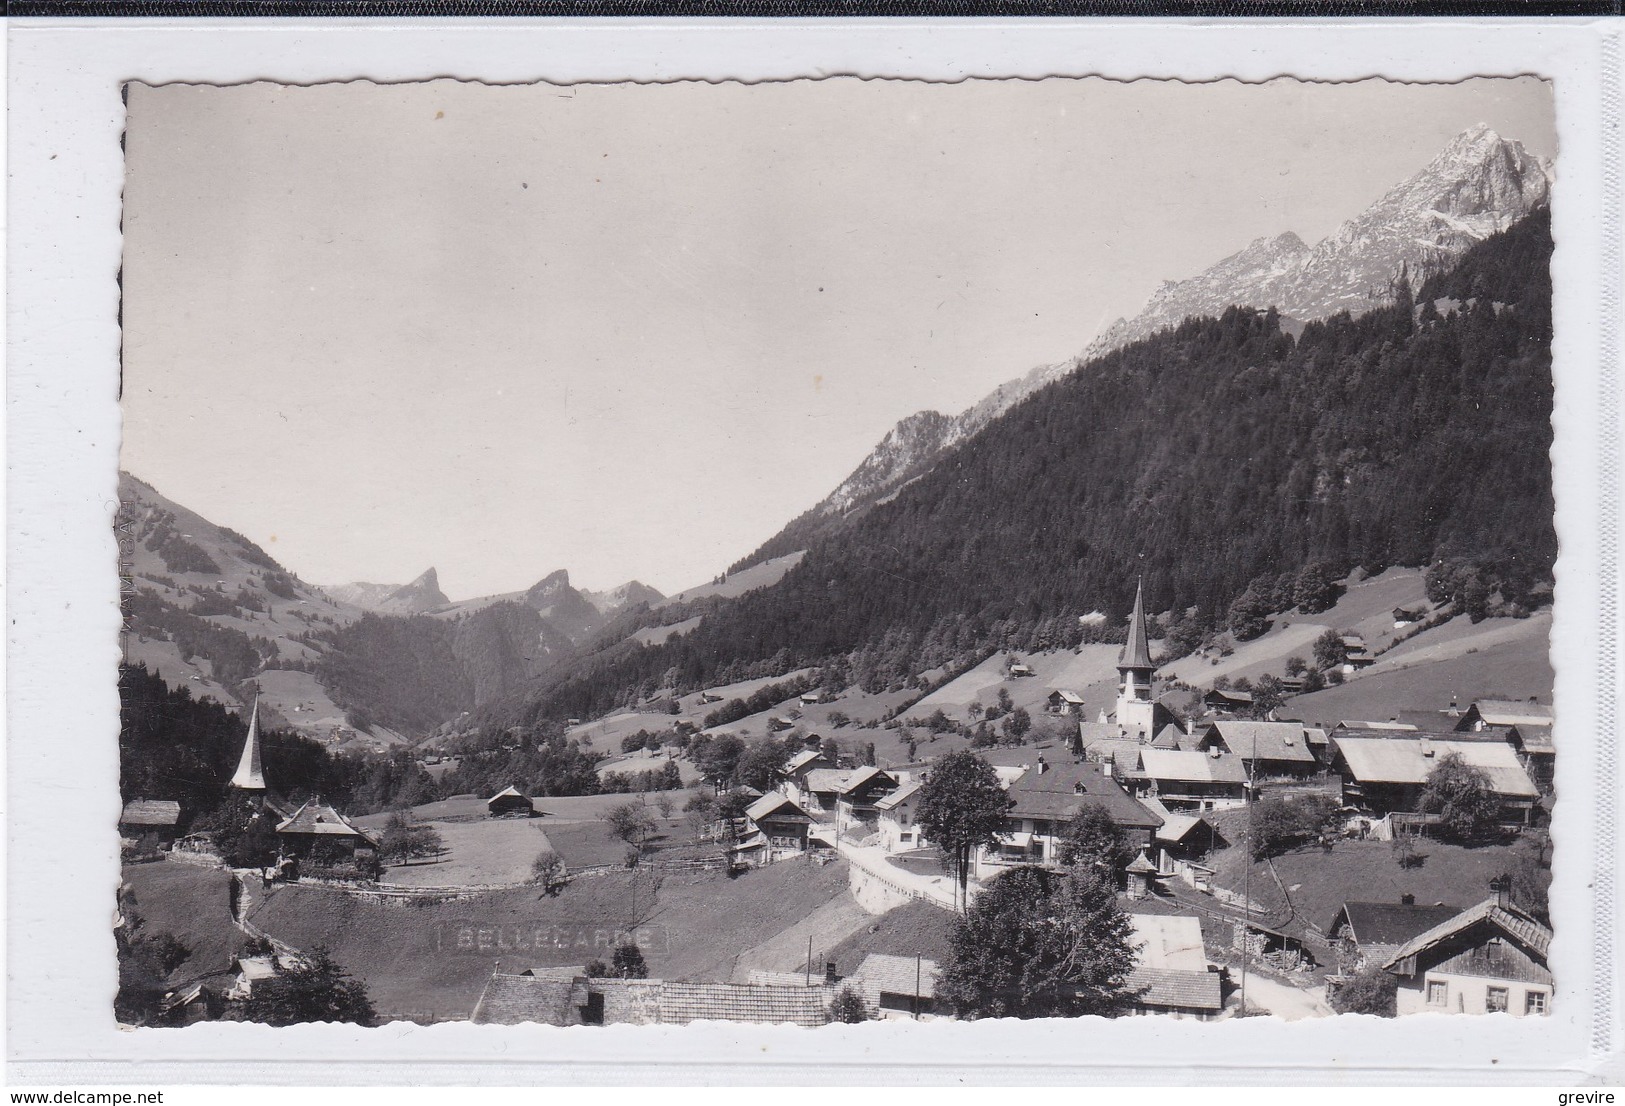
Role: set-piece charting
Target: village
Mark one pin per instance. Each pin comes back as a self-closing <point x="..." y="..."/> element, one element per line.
<point x="1265" y="864"/>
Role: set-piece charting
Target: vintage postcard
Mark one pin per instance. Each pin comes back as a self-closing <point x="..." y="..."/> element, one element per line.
<point x="836" y="550"/>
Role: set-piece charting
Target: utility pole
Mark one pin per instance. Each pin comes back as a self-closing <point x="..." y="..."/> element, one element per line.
<point x="1246" y="881"/>
<point x="916" y="986"/>
<point x="809" y="960"/>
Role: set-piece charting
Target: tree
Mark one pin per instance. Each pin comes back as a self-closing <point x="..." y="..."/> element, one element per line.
<point x="1330" y="651"/>
<point x="548" y="870"/>
<point x="759" y="765"/>
<point x="1039" y="944"/>
<point x="628" y="962"/>
<point x="1373" y="991"/>
<point x="1312" y="680"/>
<point x="1018" y="723"/>
<point x="405" y="839"/>
<point x="632" y="823"/>
<point x="1295" y="666"/>
<point x="1461" y="795"/>
<point x="1316" y="588"/>
<point x="1281" y="824"/>
<point x="1094" y="839"/>
<point x="719" y="759"/>
<point x="962" y="808"/>
<point x="1268" y="695"/>
<point x="145" y="961"/>
<point x="1249" y="615"/>
<point x="310" y="989"/>
<point x="848" y="1007"/>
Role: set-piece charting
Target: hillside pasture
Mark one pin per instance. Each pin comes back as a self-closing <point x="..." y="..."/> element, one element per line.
<point x="646" y="761"/>
<point x="409" y="956"/>
<point x="478" y="853"/>
<point x="193" y="904"/>
<point x="592" y="844"/>
<point x="1091" y="671"/>
<point x="659" y="635"/>
<point x="857" y="705"/>
<point x="746" y="579"/>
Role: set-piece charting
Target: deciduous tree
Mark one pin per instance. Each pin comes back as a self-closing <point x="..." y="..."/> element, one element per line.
<point x="962" y="808"/>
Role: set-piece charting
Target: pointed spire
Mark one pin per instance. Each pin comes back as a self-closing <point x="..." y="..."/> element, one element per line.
<point x="1137" y="650"/>
<point x="250" y="775"/>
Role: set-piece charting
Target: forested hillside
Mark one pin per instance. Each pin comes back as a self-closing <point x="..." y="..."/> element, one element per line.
<point x="1205" y="458"/>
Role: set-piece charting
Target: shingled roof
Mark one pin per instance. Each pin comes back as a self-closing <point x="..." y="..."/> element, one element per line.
<point x="1173" y="988"/>
<point x="1061" y="790"/>
<point x="1375" y="925"/>
<point x="896" y="975"/>
<point x="516" y="999"/>
<point x="1262" y="740"/>
<point x="1137" y="649"/>
<point x="150" y="812"/>
<point x="771" y="1004"/>
<point x="1509" y="919"/>
<point x="319" y="818"/>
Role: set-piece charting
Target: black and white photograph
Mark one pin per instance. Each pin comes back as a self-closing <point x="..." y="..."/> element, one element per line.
<point x="832" y="551"/>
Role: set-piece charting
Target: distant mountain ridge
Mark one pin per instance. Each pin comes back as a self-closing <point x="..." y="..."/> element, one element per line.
<point x="419" y="597"/>
<point x="1477" y="186"/>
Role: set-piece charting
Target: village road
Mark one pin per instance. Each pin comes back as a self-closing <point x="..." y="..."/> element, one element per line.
<point x="1281" y="999"/>
<point x="872" y="858"/>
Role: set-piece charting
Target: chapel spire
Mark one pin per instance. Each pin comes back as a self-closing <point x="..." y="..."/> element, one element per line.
<point x="1137" y="649"/>
<point x="250" y="775"/>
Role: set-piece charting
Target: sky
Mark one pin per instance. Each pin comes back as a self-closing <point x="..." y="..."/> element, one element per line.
<point x="633" y="330"/>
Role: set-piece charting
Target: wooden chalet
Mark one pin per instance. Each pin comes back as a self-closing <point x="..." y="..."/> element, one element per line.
<point x="1367" y="934"/>
<point x="510" y="802"/>
<point x="1187" y="780"/>
<point x="895" y="819"/>
<point x="856" y="812"/>
<point x="1269" y="750"/>
<point x="158" y="818"/>
<point x="1171" y="974"/>
<point x="318" y="832"/>
<point x="1047" y="797"/>
<point x="1488" y="959"/>
<point x="1386" y="771"/>
<point x="781" y="820"/>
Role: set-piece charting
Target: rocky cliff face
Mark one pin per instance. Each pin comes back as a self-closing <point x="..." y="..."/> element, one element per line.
<point x="1478" y="185"/>
<point x="421" y="596"/>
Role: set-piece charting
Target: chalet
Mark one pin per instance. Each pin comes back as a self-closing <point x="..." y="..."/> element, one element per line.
<point x="1486" y="713"/>
<point x="509" y="803"/>
<point x="250" y="970"/>
<point x="781" y="820"/>
<point x="897" y="986"/>
<point x="798" y="766"/>
<point x="1490" y="958"/>
<point x="1190" y="780"/>
<point x="776" y="723"/>
<point x="159" y="818"/>
<point x="1385" y="772"/>
<point x="318" y="832"/>
<point x="1018" y="671"/>
<point x="1171" y="974"/>
<point x="1182" y="840"/>
<point x="819" y="791"/>
<point x="895" y="819"/>
<point x="1228" y="699"/>
<point x="1355" y="654"/>
<point x="1405" y="616"/>
<point x="1062" y="701"/>
<point x="1267" y="749"/>
<point x="855" y="809"/>
<point x="813" y="698"/>
<point x="1367" y="934"/>
<point x="710" y="697"/>
<point x="1046" y="798"/>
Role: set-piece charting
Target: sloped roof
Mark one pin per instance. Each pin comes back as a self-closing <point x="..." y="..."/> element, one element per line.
<point x="1314" y="735"/>
<point x="1403" y="759"/>
<point x="1365" y="724"/>
<point x="1169" y="737"/>
<point x="898" y="797"/>
<point x="1090" y="732"/>
<point x="1510" y="712"/>
<point x="1390" y="923"/>
<point x="1069" y="696"/>
<point x="1509" y="919"/>
<point x="1169" y="941"/>
<point x="516" y="999"/>
<point x="1120" y="750"/>
<point x="827" y="779"/>
<point x="1054" y="794"/>
<point x="1190" y="766"/>
<point x="1428" y="719"/>
<point x="896" y="975"/>
<point x="1137" y="649"/>
<point x="762" y="977"/>
<point x="802" y="759"/>
<point x="1536" y="739"/>
<point x="1173" y="988"/>
<point x="1263" y="740"/>
<point x="250" y="774"/>
<point x="317" y="817"/>
<point x="741" y="1002"/>
<point x="151" y="812"/>
<point x="774" y="801"/>
<point x="858" y="777"/>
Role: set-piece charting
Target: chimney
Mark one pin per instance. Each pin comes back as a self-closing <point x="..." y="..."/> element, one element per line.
<point x="1106" y="769"/>
<point x="1427" y="748"/>
<point x="1407" y="899"/>
<point x="1042" y="767"/>
<point x="830" y="977"/>
<point x="1215" y="752"/>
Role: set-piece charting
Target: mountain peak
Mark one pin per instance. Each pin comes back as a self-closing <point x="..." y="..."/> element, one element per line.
<point x="556" y="580"/>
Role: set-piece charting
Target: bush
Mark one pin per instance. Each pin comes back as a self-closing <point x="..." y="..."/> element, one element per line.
<point x="1373" y="991"/>
<point x="848" y="1007"/>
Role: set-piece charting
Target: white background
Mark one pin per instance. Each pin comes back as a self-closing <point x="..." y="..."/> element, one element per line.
<point x="62" y="797"/>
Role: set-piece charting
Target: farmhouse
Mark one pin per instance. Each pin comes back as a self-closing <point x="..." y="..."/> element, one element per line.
<point x="897" y="986"/>
<point x="1062" y="701"/>
<point x="1365" y="934"/>
<point x="1226" y="699"/>
<point x="781" y="820"/>
<point x="1386" y="771"/>
<point x="1171" y="974"/>
<point x="1047" y="797"/>
<point x="1267" y="749"/>
<point x="796" y="770"/>
<point x="1189" y="780"/>
<point x="1490" y="958"/>
<point x="855" y="803"/>
<point x="318" y="832"/>
<point x="510" y="802"/>
<point x="1486" y="713"/>
<point x="159" y="818"/>
<point x="894" y="819"/>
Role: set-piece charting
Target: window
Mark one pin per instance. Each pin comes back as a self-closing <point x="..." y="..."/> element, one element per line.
<point x="1438" y="992"/>
<point x="1495" y="1000"/>
<point x="1534" y="1002"/>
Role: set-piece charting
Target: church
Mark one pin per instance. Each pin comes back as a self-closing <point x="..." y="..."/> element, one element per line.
<point x="1136" y="716"/>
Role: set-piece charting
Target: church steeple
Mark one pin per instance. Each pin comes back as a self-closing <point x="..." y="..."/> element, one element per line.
<point x="1136" y="709"/>
<point x="250" y="775"/>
